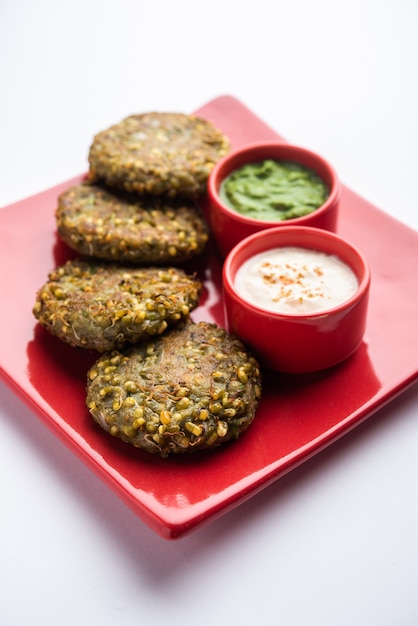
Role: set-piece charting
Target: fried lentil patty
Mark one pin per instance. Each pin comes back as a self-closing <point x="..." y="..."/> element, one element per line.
<point x="158" y="153"/>
<point x="119" y="226"/>
<point x="194" y="387"/>
<point x="99" y="306"/>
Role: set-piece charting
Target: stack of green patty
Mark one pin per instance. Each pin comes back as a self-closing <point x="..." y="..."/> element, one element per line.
<point x="164" y="383"/>
<point x="139" y="202"/>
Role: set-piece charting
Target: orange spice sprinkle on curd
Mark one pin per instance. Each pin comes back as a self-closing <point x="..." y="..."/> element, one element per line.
<point x="295" y="280"/>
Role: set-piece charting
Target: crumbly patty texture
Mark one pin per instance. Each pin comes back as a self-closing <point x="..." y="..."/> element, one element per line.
<point x="124" y="227"/>
<point x="102" y="307"/>
<point x="194" y="387"/>
<point x="158" y="153"/>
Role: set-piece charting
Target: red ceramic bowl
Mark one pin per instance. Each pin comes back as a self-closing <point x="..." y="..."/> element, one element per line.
<point x="229" y="227"/>
<point x="300" y="342"/>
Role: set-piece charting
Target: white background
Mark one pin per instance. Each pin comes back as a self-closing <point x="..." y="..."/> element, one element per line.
<point x="333" y="543"/>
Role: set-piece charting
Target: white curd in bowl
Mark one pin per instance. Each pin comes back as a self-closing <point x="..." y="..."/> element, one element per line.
<point x="293" y="280"/>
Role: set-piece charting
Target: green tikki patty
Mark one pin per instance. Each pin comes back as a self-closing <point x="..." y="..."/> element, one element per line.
<point x="158" y="153"/>
<point x="118" y="226"/>
<point x="99" y="306"/>
<point x="192" y="388"/>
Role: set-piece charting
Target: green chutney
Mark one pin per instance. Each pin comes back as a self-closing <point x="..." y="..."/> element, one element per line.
<point x="273" y="190"/>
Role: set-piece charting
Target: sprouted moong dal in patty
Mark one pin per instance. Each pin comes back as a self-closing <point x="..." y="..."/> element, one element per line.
<point x="158" y="153"/>
<point x="164" y="383"/>
<point x="193" y="387"/>
<point x="94" y="305"/>
<point x="125" y="227"/>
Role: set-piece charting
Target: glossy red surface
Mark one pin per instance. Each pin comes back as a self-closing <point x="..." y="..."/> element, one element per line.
<point x="297" y="343"/>
<point x="230" y="227"/>
<point x="298" y="415"/>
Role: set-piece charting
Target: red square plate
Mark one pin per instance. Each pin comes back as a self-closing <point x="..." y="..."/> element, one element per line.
<point x="298" y="415"/>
